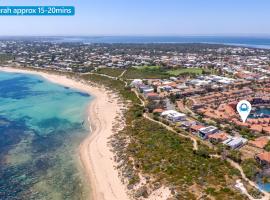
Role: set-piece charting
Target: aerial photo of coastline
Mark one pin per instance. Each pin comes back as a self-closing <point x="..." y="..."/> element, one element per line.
<point x="136" y="100"/>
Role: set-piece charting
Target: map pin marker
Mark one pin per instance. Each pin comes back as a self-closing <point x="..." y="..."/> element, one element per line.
<point x="244" y="108"/>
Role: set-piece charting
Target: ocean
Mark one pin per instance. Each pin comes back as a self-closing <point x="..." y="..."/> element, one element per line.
<point x="41" y="127"/>
<point x="246" y="41"/>
<point x="262" y="42"/>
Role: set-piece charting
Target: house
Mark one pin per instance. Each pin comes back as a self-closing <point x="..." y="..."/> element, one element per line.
<point x="158" y="110"/>
<point x="187" y="124"/>
<point x="147" y="90"/>
<point x="152" y="96"/>
<point x="218" y="137"/>
<point x="263" y="158"/>
<point x="260" y="142"/>
<point x="173" y="78"/>
<point x="206" y="131"/>
<point x="235" y="142"/>
<point x="166" y="88"/>
<point x="173" y="115"/>
<point x="195" y="128"/>
<point x="143" y="87"/>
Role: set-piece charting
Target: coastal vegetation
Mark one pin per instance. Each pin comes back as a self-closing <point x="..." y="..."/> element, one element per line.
<point x="5" y="57"/>
<point x="164" y="158"/>
<point x="152" y="72"/>
<point x="114" y="72"/>
<point x="235" y="155"/>
<point x="115" y="85"/>
<point x="171" y="159"/>
<point x="146" y="73"/>
<point x="246" y="133"/>
<point x="250" y="168"/>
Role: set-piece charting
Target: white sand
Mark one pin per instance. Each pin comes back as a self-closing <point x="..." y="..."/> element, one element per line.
<point x="95" y="154"/>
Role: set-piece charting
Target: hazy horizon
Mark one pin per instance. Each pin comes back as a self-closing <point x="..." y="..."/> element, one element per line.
<point x="143" y="18"/>
<point x="142" y="35"/>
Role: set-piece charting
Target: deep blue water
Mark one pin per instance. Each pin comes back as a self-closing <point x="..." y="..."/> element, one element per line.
<point x="259" y="42"/>
<point x="41" y="126"/>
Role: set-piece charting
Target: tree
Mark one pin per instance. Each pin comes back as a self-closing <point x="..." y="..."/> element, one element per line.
<point x="267" y="147"/>
<point x="203" y="152"/>
<point x="172" y="98"/>
<point x="151" y="105"/>
<point x="250" y="168"/>
<point x="235" y="155"/>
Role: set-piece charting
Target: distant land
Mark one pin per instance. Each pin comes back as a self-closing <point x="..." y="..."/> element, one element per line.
<point x="247" y="41"/>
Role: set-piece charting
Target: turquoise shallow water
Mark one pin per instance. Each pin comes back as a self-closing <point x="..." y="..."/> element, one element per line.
<point x="260" y="113"/>
<point x="41" y="126"/>
<point x="263" y="186"/>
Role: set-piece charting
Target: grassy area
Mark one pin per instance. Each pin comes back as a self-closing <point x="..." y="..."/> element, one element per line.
<point x="190" y="71"/>
<point x="177" y="72"/>
<point x="152" y="72"/>
<point x="146" y="73"/>
<point x="153" y="67"/>
<point x="115" y="72"/>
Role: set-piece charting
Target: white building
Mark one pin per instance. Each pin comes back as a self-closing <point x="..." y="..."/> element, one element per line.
<point x="206" y="131"/>
<point x="136" y="82"/>
<point x="148" y="90"/>
<point x="235" y="142"/>
<point x="173" y="115"/>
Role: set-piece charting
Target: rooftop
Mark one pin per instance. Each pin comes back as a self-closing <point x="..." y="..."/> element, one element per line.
<point x="265" y="156"/>
<point x="260" y="142"/>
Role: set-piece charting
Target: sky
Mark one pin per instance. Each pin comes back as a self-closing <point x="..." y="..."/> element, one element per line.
<point x="143" y="17"/>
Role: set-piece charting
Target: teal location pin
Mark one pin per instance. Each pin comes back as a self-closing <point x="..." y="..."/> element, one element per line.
<point x="244" y="108"/>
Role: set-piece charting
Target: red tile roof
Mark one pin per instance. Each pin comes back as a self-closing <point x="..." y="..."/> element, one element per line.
<point x="219" y="136"/>
<point x="152" y="94"/>
<point x="158" y="110"/>
<point x="196" y="127"/>
<point x="264" y="156"/>
<point x="260" y="142"/>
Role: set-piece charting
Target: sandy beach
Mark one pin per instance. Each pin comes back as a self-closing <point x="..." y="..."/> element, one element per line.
<point x="94" y="151"/>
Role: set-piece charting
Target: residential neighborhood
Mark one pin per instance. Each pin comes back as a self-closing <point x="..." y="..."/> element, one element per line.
<point x="192" y="90"/>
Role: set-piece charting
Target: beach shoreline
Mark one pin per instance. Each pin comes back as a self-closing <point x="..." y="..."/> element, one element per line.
<point x="96" y="156"/>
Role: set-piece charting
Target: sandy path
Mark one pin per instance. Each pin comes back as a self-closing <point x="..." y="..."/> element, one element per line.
<point x="95" y="154"/>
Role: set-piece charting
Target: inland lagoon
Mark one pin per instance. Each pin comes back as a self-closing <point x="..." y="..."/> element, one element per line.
<point x="41" y="127"/>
